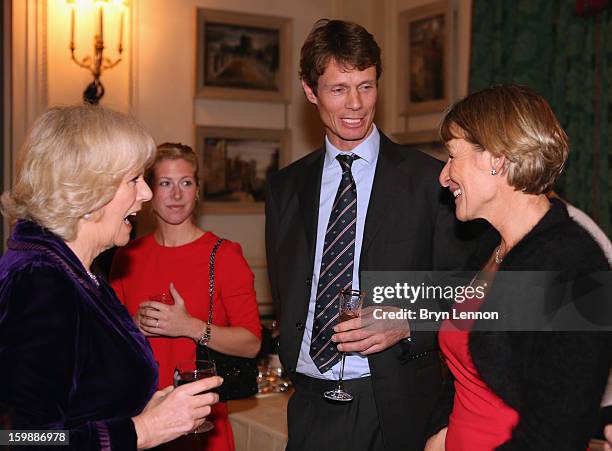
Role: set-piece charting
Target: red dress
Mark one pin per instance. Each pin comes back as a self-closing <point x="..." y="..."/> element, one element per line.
<point x="480" y="420"/>
<point x="144" y="268"/>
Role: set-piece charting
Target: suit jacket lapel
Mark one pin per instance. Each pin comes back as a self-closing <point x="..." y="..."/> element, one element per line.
<point x="386" y="187"/>
<point x="309" y="191"/>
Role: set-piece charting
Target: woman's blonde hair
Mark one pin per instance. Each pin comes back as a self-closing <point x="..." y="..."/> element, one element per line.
<point x="177" y="151"/>
<point x="518" y="124"/>
<point x="72" y="163"/>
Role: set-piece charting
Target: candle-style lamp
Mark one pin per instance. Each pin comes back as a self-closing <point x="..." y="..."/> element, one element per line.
<point x="99" y="63"/>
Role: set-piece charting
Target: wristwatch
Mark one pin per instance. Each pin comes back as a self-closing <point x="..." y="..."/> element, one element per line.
<point x="205" y="337"/>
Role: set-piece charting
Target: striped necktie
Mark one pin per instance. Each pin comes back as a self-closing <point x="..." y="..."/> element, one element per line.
<point x="336" y="267"/>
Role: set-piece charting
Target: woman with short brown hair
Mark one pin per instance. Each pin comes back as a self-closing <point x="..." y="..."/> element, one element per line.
<point x="531" y="381"/>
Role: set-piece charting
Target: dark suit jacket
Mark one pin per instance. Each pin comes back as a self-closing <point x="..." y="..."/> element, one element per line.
<point x="410" y="225"/>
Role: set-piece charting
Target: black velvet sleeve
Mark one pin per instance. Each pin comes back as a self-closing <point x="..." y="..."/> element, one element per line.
<point x="40" y="319"/>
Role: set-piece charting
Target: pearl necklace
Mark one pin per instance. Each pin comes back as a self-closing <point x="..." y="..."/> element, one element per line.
<point x="498" y="259"/>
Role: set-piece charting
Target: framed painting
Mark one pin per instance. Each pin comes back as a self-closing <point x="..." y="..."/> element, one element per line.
<point x="243" y="56"/>
<point x="425" y="46"/>
<point x="235" y="165"/>
<point x="427" y="141"/>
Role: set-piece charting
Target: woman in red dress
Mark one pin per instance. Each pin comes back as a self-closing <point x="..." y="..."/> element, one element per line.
<point x="532" y="379"/>
<point x="174" y="259"/>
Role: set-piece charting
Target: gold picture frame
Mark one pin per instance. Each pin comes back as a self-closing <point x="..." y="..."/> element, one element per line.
<point x="426" y="58"/>
<point x="235" y="164"/>
<point x="243" y="56"/>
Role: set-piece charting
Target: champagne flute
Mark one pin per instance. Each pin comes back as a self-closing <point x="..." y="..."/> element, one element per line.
<point x="350" y="302"/>
<point x="194" y="370"/>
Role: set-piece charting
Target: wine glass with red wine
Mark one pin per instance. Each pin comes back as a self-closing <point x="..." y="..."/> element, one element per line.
<point x="194" y="370"/>
<point x="350" y="302"/>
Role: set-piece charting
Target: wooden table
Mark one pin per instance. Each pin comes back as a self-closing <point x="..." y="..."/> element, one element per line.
<point x="260" y="423"/>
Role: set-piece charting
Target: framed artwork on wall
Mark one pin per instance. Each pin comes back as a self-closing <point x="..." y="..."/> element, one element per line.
<point x="243" y="56"/>
<point x="424" y="141"/>
<point x="235" y="165"/>
<point x="425" y="59"/>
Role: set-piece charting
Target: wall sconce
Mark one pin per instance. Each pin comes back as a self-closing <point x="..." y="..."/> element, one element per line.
<point x="98" y="63"/>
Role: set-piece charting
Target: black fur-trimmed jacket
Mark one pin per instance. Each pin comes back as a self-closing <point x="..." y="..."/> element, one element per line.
<point x="553" y="379"/>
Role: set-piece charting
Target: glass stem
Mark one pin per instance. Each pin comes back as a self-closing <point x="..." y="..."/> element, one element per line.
<point x="341" y="370"/>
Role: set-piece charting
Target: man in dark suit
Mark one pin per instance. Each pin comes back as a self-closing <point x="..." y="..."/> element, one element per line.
<point x="359" y="203"/>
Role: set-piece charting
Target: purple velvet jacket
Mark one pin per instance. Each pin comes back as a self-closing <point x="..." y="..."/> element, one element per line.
<point x="70" y="355"/>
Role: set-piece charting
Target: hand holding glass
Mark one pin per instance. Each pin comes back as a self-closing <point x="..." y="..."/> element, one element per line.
<point x="163" y="297"/>
<point x="349" y="307"/>
<point x="194" y="370"/>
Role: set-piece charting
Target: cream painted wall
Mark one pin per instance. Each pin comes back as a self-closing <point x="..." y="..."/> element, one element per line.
<point x="164" y="65"/>
<point x="165" y="71"/>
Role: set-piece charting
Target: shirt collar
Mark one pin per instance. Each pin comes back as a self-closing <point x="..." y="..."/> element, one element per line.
<point x="367" y="150"/>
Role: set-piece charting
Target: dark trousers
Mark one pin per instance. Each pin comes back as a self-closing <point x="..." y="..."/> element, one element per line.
<point x="318" y="424"/>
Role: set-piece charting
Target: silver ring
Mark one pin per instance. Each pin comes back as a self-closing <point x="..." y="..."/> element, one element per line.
<point x="157" y="324"/>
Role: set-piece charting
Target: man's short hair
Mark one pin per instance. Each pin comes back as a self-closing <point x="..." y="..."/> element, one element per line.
<point x="348" y="43"/>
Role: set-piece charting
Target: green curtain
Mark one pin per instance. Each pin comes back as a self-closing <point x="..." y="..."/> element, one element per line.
<point x="567" y="59"/>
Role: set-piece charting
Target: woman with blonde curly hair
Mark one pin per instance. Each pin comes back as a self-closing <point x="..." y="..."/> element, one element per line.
<point x="532" y="379"/>
<point x="71" y="357"/>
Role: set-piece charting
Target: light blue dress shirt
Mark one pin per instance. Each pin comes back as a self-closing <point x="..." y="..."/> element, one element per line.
<point x="363" y="170"/>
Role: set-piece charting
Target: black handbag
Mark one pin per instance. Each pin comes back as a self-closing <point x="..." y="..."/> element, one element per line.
<point x="239" y="373"/>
